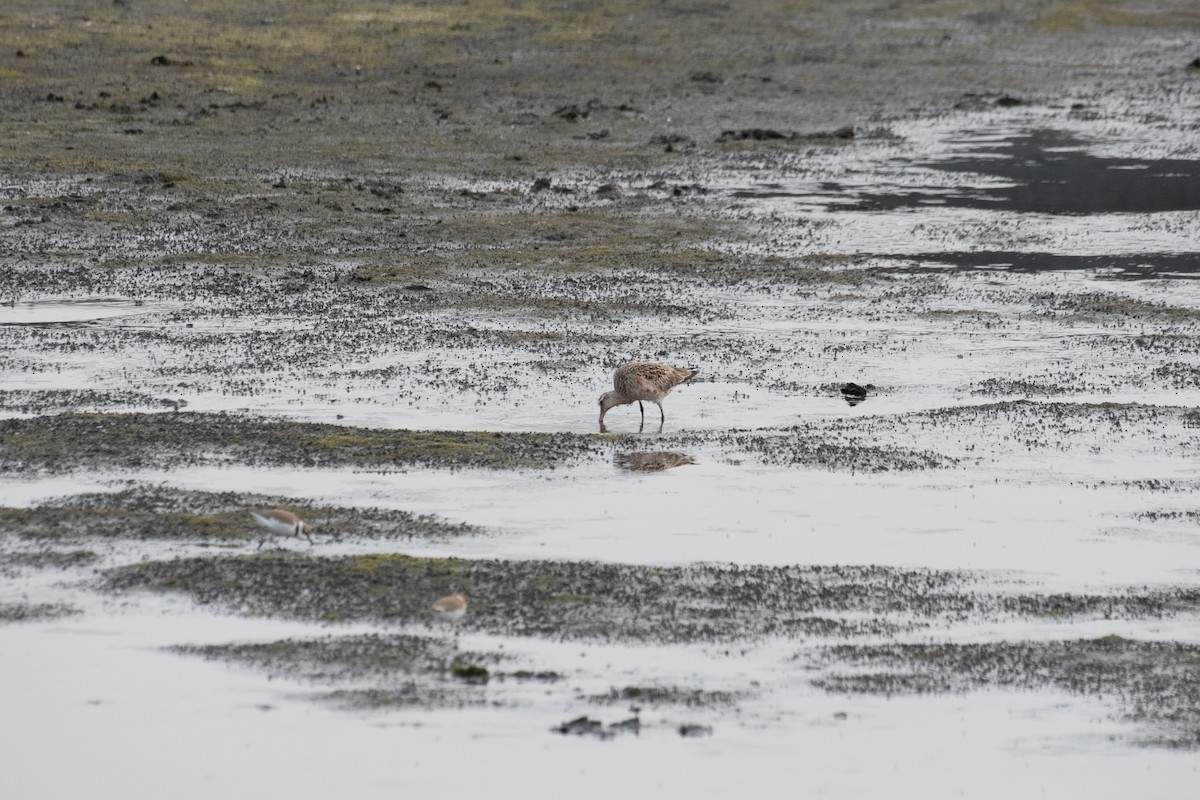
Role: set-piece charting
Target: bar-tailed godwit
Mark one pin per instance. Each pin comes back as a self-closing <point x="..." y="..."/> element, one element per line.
<point x="280" y="522"/>
<point x="643" y="380"/>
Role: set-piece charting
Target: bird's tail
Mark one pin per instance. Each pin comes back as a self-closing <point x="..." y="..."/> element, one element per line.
<point x="694" y="372"/>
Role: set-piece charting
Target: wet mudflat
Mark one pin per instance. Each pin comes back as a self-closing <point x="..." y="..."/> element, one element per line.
<point x="925" y="525"/>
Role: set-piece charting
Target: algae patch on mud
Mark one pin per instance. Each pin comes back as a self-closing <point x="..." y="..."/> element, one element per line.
<point x="668" y="696"/>
<point x="367" y="671"/>
<point x="157" y="512"/>
<point x="34" y="612"/>
<point x="607" y="602"/>
<point x="1153" y="683"/>
<point x="69" y="441"/>
<point x="620" y="602"/>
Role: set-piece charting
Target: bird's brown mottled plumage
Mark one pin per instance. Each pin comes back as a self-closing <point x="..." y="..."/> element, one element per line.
<point x="451" y="607"/>
<point x="643" y="380"/>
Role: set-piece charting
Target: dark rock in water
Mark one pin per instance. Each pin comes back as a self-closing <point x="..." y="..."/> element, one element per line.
<point x="695" y="731"/>
<point x="540" y="184"/>
<point x="582" y="726"/>
<point x="673" y="141"/>
<point x="417" y="287"/>
<point x="164" y="61"/>
<point x="632" y="725"/>
<point x="471" y="673"/>
<point x="854" y="390"/>
<point x="609" y="190"/>
<point x="845" y="132"/>
<point x="756" y="134"/>
<point x="574" y="112"/>
<point x="1195" y="63"/>
<point x="855" y="394"/>
<point x="586" y="726"/>
<point x="1007" y="101"/>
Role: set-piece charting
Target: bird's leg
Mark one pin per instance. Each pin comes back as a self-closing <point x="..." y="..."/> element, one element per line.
<point x="662" y="415"/>
<point x="641" y="409"/>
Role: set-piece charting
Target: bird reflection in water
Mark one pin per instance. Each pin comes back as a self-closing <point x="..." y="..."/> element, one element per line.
<point x="655" y="461"/>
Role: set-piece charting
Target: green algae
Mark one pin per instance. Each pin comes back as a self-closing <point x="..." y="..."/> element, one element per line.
<point x="70" y="441"/>
<point x="1155" y="684"/>
<point x="218" y="518"/>
<point x="35" y="612"/>
<point x="578" y="601"/>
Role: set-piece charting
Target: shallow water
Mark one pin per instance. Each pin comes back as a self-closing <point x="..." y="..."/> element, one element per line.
<point x="223" y="729"/>
<point x="1058" y="518"/>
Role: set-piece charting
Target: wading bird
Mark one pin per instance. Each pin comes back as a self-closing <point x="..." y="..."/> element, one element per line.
<point x="643" y="380"/>
<point x="280" y="522"/>
<point x="451" y="607"/>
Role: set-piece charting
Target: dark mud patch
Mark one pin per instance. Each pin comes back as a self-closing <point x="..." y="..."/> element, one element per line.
<point x="964" y="434"/>
<point x="1047" y="171"/>
<point x="641" y="696"/>
<point x="70" y="441"/>
<point x="1098" y="306"/>
<point x="616" y="602"/>
<point x="834" y="445"/>
<point x="411" y="695"/>
<point x="48" y="401"/>
<point x="395" y="670"/>
<point x="162" y="513"/>
<point x="586" y="726"/>
<point x="344" y="658"/>
<point x="1001" y="387"/>
<point x="47" y="559"/>
<point x="993" y="430"/>
<point x="1153" y="683"/>
<point x="569" y="600"/>
<point x="66" y="442"/>
<point x="35" y="612"/>
<point x="1138" y="603"/>
<point x="1137" y="266"/>
<point x="378" y="671"/>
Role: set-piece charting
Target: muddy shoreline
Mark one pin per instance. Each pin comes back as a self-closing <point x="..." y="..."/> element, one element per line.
<point x="375" y="263"/>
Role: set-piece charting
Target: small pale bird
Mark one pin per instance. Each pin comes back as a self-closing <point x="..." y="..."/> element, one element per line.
<point x="643" y="380"/>
<point x="451" y="607"/>
<point x="280" y="522"/>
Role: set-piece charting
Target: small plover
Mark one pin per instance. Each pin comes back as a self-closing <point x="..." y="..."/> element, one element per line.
<point x="643" y="380"/>
<point x="280" y="522"/>
<point x="451" y="607"/>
